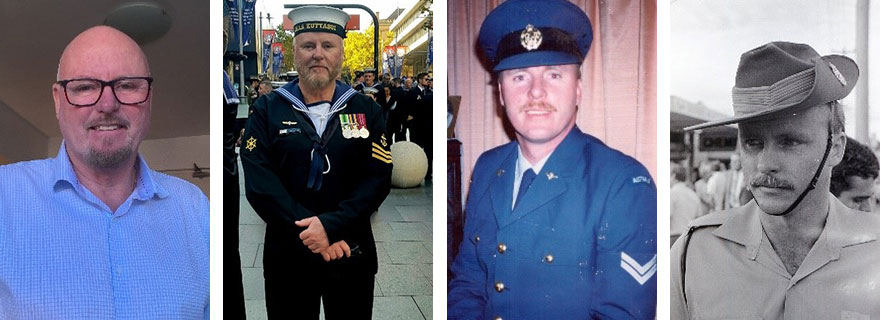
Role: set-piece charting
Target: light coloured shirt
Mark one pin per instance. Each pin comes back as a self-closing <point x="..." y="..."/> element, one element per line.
<point x="733" y="272"/>
<point x="65" y="255"/>
<point x="737" y="185"/>
<point x="717" y="186"/>
<point x="319" y="113"/>
<point x="523" y="165"/>
<point x="685" y="206"/>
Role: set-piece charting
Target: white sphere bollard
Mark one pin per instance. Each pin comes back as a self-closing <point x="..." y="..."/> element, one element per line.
<point x="410" y="164"/>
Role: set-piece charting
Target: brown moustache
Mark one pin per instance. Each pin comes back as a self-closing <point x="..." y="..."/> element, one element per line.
<point x="538" y="106"/>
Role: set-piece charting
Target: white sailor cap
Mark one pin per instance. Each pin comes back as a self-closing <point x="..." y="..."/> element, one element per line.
<point x="318" y="19"/>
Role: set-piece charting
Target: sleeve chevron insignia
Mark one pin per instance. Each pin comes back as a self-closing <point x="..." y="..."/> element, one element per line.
<point x="641" y="273"/>
<point x="381" y="154"/>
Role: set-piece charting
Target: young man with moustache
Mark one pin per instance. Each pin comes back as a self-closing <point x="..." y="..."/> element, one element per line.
<point x="558" y="225"/>
<point x="317" y="165"/>
<point x="794" y="251"/>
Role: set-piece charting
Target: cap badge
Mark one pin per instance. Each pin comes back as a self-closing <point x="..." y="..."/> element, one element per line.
<point x="837" y="74"/>
<point x="530" y="38"/>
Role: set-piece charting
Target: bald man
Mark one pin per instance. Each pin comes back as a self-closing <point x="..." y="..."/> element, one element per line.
<point x="94" y="233"/>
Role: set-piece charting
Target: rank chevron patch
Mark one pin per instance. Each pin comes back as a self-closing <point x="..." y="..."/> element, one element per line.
<point x="639" y="272"/>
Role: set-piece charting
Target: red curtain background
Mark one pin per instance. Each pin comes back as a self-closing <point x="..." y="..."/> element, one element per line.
<point x="619" y="104"/>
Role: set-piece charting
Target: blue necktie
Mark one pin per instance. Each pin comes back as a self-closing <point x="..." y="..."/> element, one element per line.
<point x="527" y="179"/>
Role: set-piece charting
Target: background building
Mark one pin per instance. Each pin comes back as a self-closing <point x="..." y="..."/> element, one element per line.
<point x="410" y="31"/>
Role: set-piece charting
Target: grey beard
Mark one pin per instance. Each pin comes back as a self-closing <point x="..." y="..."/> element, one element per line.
<point x="312" y="81"/>
<point x="317" y="83"/>
<point x="106" y="160"/>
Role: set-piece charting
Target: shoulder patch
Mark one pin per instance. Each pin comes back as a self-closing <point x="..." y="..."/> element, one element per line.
<point x="641" y="179"/>
<point x="250" y="144"/>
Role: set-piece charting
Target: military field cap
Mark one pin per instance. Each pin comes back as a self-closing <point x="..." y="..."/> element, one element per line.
<point x="318" y="19"/>
<point x="781" y="76"/>
<point x="528" y="33"/>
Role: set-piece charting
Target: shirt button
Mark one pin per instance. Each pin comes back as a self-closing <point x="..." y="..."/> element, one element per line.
<point x="548" y="258"/>
<point x="502" y="248"/>
<point x="499" y="286"/>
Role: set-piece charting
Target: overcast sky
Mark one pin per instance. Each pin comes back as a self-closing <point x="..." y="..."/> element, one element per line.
<point x="708" y="37"/>
<point x="383" y="7"/>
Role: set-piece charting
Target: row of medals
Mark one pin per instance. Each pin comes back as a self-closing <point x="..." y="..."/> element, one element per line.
<point x="350" y="131"/>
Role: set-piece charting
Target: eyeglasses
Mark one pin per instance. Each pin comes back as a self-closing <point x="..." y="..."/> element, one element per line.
<point x="87" y="92"/>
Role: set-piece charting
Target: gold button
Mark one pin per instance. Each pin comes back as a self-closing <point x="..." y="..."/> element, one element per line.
<point x="502" y="248"/>
<point x="548" y="258"/>
<point x="498" y="318"/>
<point x="499" y="286"/>
<point x="477" y="238"/>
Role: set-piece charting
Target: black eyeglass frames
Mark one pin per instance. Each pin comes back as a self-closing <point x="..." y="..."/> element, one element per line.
<point x="87" y="92"/>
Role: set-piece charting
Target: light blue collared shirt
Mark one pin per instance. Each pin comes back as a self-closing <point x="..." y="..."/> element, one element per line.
<point x="65" y="255"/>
<point x="523" y="165"/>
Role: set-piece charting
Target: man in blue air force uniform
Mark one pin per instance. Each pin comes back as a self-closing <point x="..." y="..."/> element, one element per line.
<point x="559" y="226"/>
<point x="317" y="165"/>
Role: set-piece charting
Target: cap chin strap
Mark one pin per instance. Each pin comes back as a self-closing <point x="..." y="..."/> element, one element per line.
<point x="812" y="182"/>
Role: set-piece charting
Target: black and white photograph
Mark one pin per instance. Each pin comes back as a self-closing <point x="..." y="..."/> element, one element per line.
<point x="773" y="160"/>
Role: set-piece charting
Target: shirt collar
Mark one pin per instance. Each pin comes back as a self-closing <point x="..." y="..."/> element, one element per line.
<point x="842" y="227"/>
<point x="522" y="164"/>
<point x="145" y="188"/>
<point x="292" y="93"/>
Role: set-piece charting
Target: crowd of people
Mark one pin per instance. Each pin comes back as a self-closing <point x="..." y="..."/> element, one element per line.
<point x="407" y="106"/>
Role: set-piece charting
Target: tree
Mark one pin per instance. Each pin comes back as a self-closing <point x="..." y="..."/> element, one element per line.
<point x="359" y="50"/>
<point x="426" y="10"/>
<point x="286" y="39"/>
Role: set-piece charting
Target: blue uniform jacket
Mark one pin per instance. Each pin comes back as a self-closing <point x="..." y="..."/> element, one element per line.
<point x="581" y="244"/>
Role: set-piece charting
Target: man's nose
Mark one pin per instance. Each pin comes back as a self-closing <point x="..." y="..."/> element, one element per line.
<point x="537" y="90"/>
<point x="768" y="160"/>
<point x="107" y="103"/>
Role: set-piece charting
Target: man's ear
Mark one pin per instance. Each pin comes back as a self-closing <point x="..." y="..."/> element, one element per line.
<point x="500" y="96"/>
<point x="57" y="95"/>
<point x="838" y="146"/>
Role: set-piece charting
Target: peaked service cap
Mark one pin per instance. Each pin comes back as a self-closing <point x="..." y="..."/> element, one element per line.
<point x="528" y="33"/>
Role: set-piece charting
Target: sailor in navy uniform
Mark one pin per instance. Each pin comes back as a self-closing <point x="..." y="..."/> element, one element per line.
<point x="558" y="225"/>
<point x="371" y="75"/>
<point x="315" y="170"/>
